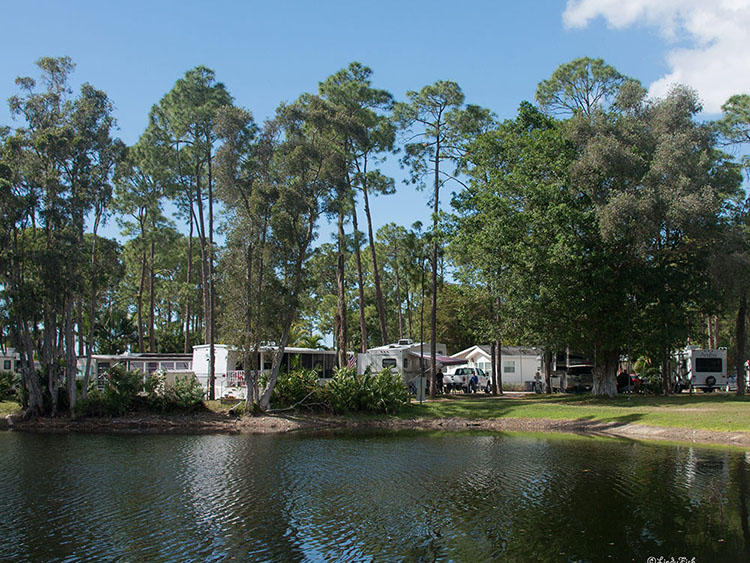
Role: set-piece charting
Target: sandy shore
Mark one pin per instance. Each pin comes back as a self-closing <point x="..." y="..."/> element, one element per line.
<point x="209" y="422"/>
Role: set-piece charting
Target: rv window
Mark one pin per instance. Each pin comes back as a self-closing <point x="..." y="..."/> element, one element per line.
<point x="6" y="365"/>
<point x="711" y="365"/>
<point x="389" y="363"/>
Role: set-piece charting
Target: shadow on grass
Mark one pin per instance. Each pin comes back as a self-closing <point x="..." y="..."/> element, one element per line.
<point x="637" y="400"/>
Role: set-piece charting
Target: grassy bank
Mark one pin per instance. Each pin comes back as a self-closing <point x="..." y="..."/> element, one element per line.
<point x="698" y="412"/>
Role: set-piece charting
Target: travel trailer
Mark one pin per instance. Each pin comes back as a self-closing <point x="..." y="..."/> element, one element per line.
<point x="147" y="363"/>
<point x="701" y="369"/>
<point x="229" y="372"/>
<point x="404" y="357"/>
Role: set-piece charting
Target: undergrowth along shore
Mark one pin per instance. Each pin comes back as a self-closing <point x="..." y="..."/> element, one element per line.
<point x="714" y="412"/>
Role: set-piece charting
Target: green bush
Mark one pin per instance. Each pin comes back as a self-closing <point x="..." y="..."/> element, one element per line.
<point x="118" y="397"/>
<point x="9" y="386"/>
<point x="297" y="388"/>
<point x="381" y="393"/>
<point x="187" y="393"/>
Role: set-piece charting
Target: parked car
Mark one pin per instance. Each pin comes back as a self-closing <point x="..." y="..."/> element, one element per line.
<point x="460" y="380"/>
<point x="731" y="385"/>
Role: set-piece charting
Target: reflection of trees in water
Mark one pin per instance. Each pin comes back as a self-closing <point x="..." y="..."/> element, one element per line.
<point x="631" y="501"/>
<point x="239" y="501"/>
<point x="388" y="497"/>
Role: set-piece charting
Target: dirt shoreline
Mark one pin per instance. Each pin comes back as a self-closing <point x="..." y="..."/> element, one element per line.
<point x="278" y="424"/>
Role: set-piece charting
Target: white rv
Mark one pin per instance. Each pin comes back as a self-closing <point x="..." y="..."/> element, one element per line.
<point x="230" y="375"/>
<point x="404" y="357"/>
<point x="701" y="369"/>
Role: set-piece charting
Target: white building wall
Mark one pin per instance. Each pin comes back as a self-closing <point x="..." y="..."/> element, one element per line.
<point x="222" y="357"/>
<point x="516" y="368"/>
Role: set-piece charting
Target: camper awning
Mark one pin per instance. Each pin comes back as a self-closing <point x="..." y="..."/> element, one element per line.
<point x="444" y="360"/>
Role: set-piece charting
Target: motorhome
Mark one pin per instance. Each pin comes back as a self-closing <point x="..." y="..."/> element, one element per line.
<point x="404" y="357"/>
<point x="701" y="369"/>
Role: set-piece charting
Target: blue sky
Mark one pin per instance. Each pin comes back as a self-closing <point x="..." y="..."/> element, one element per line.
<point x="269" y="52"/>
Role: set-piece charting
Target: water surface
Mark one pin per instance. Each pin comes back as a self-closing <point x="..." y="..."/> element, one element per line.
<point x="384" y="497"/>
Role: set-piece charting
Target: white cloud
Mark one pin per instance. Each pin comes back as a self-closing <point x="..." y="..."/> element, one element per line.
<point x="715" y="63"/>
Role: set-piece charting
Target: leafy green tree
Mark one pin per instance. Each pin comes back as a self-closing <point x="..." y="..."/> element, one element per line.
<point x="62" y="158"/>
<point x="437" y="128"/>
<point x="183" y="121"/>
<point x="658" y="186"/>
<point x="582" y="85"/>
<point x="733" y="260"/>
<point x="522" y="234"/>
<point x="309" y="170"/>
<point x="366" y="132"/>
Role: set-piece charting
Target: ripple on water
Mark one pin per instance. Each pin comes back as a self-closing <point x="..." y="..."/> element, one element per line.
<point x="363" y="497"/>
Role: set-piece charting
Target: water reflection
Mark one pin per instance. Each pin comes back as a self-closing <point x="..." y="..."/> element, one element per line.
<point x="413" y="497"/>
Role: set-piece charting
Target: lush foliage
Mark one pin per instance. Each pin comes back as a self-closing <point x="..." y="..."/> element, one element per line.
<point x="598" y="219"/>
<point x="118" y="396"/>
<point x="298" y="388"/>
<point x="383" y="392"/>
<point x="345" y="393"/>
<point x="9" y="386"/>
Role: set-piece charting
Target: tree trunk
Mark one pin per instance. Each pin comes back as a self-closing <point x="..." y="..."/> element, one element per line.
<point x="247" y="357"/>
<point x="360" y="283"/>
<point x="341" y="292"/>
<point x="493" y="367"/>
<point x="211" y="289"/>
<point x="605" y="374"/>
<point x="409" y="312"/>
<point x="375" y="271"/>
<point x="70" y="353"/>
<point x="499" y="348"/>
<point x="741" y="339"/>
<point x="31" y="380"/>
<point x="398" y="296"/>
<point x="139" y="301"/>
<point x="79" y="324"/>
<point x="152" y="302"/>
<point x="548" y="371"/>
<point x="188" y="290"/>
<point x="433" y="311"/>
<point x="92" y="307"/>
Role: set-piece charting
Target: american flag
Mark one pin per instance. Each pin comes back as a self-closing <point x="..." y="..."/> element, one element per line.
<point x="352" y="363"/>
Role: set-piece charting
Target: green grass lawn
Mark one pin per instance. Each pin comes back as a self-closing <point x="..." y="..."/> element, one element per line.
<point x="9" y="407"/>
<point x="699" y="412"/>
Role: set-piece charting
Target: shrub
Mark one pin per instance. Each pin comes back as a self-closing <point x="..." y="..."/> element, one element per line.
<point x="154" y="385"/>
<point x="297" y="388"/>
<point x="348" y="392"/>
<point x="9" y="386"/>
<point x="122" y="388"/>
<point x="118" y="397"/>
<point x="93" y="405"/>
<point x="187" y="393"/>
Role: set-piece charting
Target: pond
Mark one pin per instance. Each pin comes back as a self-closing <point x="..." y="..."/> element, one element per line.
<point x="374" y="496"/>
